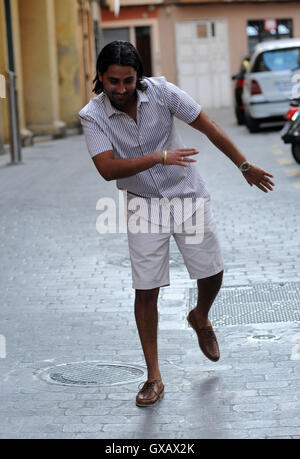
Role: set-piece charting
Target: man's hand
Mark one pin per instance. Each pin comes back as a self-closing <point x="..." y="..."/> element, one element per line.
<point x="180" y="156"/>
<point x="257" y="176"/>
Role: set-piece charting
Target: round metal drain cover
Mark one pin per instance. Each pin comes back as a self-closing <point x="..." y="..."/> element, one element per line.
<point x="91" y="374"/>
<point x="266" y="337"/>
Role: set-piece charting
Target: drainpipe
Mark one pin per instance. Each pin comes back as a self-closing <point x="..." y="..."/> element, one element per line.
<point x="15" y="139"/>
<point x="96" y="13"/>
<point x="2" y="96"/>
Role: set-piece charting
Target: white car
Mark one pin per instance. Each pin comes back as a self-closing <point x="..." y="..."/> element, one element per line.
<point x="271" y="81"/>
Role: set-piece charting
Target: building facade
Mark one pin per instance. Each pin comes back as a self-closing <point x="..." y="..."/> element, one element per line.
<point x="199" y="44"/>
<point x="50" y="45"/>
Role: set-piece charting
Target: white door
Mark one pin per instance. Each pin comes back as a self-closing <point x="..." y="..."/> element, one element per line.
<point x="203" y="61"/>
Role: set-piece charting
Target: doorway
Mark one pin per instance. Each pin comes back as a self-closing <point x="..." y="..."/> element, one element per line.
<point x="139" y="36"/>
<point x="202" y="56"/>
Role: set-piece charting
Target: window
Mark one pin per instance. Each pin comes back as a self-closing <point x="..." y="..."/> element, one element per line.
<point x="201" y="31"/>
<point x="109" y="35"/>
<point x="263" y="30"/>
<point x="206" y="30"/>
<point x="281" y="59"/>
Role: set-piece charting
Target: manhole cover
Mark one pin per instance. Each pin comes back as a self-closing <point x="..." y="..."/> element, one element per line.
<point x="252" y="304"/>
<point x="267" y="337"/>
<point x="90" y="374"/>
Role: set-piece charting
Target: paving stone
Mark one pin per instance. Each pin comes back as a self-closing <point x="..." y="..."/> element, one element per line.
<point x="66" y="296"/>
<point x="274" y="432"/>
<point x="82" y="428"/>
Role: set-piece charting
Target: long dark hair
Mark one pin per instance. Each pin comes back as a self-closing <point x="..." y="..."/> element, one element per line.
<point x="119" y="53"/>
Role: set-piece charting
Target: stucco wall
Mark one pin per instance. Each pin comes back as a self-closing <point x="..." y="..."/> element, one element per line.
<point x="237" y="16"/>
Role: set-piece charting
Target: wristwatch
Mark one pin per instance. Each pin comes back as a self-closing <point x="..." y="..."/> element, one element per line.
<point x="245" y="166"/>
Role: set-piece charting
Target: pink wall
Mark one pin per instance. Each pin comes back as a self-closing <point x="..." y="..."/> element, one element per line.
<point x="237" y="16"/>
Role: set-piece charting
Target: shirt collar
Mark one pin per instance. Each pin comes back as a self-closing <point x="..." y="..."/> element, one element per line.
<point x="111" y="110"/>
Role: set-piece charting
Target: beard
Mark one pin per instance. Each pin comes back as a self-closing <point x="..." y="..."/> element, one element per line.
<point x="121" y="100"/>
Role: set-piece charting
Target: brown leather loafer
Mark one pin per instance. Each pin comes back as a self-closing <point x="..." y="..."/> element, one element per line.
<point x="150" y="393"/>
<point x="207" y="339"/>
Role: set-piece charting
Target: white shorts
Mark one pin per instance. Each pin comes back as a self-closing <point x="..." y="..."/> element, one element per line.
<point x="149" y="252"/>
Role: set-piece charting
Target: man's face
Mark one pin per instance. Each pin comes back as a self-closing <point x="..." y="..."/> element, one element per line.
<point x="119" y="83"/>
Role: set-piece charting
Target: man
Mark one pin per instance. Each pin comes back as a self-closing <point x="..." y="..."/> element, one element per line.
<point x="130" y="133"/>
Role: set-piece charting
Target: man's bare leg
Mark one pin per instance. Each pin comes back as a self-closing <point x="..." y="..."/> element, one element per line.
<point x="146" y="316"/>
<point x="208" y="289"/>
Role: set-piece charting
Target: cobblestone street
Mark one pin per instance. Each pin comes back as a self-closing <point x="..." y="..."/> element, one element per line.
<point x="66" y="297"/>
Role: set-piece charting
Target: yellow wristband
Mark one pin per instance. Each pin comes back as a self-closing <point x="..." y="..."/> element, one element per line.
<point x="164" y="157"/>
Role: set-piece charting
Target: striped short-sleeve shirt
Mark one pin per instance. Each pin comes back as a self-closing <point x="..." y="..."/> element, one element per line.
<point x="154" y="189"/>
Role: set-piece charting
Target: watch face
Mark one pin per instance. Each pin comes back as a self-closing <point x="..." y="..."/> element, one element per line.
<point x="245" y="167"/>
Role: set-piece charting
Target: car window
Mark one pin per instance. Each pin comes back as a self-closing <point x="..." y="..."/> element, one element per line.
<point x="280" y="59"/>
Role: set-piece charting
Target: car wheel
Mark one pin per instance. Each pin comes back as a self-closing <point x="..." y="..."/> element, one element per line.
<point x="296" y="152"/>
<point x="239" y="114"/>
<point x="252" y="124"/>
